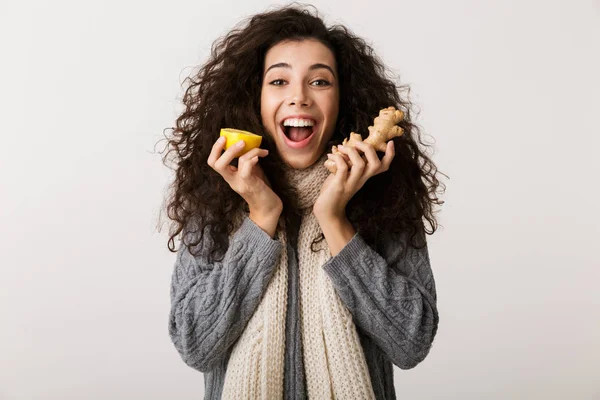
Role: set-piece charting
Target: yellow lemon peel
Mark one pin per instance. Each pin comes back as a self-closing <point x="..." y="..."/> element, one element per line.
<point x="233" y="136"/>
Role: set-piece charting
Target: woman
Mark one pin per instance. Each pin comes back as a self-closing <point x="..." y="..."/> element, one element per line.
<point x="293" y="281"/>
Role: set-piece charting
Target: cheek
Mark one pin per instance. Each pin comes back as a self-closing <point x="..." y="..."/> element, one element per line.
<point x="267" y="109"/>
<point x="333" y="105"/>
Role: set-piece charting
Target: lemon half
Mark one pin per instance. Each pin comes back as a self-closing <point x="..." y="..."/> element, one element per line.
<point x="233" y="136"/>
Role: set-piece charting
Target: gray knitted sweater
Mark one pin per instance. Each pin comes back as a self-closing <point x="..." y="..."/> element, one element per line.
<point x="390" y="293"/>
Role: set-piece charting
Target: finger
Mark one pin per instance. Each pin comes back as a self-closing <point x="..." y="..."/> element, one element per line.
<point x="334" y="156"/>
<point x="253" y="153"/>
<point x="373" y="163"/>
<point x="344" y="155"/>
<point x="231" y="153"/>
<point x="214" y="157"/>
<point x="341" y="174"/>
<point x="249" y="160"/>
<point x="390" y="152"/>
<point x="215" y="152"/>
<point x="347" y="159"/>
<point x="247" y="167"/>
<point x="358" y="164"/>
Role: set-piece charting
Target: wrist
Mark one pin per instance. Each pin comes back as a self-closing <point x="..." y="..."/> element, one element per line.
<point x="330" y="218"/>
<point x="266" y="212"/>
<point x="338" y="232"/>
<point x="266" y="220"/>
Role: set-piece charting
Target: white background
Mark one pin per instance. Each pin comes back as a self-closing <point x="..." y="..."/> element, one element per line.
<point x="508" y="90"/>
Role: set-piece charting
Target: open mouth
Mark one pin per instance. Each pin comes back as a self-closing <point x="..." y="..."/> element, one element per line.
<point x="297" y="134"/>
<point x="298" y="137"/>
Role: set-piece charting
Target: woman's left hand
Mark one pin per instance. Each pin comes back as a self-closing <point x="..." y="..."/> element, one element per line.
<point x="339" y="188"/>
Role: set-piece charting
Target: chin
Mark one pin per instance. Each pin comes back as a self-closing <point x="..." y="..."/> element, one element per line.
<point x="300" y="161"/>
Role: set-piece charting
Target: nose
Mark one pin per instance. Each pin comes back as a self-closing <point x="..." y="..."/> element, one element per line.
<point x="298" y="96"/>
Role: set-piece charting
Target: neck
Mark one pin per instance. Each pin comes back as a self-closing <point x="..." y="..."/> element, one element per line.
<point x="307" y="181"/>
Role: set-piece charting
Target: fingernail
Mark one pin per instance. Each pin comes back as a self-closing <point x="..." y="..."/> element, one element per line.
<point x="240" y="143"/>
<point x="221" y="139"/>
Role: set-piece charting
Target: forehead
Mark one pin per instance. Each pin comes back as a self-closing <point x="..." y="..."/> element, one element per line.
<point x="300" y="54"/>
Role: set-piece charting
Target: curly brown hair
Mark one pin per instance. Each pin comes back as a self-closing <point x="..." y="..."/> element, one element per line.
<point x="225" y="92"/>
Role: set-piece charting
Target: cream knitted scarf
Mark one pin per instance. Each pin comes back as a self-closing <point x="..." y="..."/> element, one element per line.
<point x="334" y="362"/>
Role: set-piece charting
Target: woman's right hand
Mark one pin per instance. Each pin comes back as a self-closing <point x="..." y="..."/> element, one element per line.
<point x="248" y="178"/>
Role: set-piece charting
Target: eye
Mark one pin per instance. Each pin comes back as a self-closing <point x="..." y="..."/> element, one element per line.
<point x="277" y="82"/>
<point x="323" y="82"/>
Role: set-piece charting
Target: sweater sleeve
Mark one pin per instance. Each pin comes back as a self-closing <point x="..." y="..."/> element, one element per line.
<point x="392" y="299"/>
<point x="212" y="303"/>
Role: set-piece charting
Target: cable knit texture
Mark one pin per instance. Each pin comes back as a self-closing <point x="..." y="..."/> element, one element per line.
<point x="334" y="362"/>
<point x="389" y="292"/>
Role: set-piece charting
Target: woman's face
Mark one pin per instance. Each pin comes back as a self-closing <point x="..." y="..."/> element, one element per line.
<point x="300" y="99"/>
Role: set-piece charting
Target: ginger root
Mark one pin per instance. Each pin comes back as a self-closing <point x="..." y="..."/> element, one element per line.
<point x="384" y="129"/>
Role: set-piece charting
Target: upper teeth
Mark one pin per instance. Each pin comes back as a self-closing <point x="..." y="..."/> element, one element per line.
<point x="298" y="122"/>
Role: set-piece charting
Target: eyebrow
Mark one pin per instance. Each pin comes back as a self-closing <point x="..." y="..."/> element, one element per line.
<point x="312" y="67"/>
